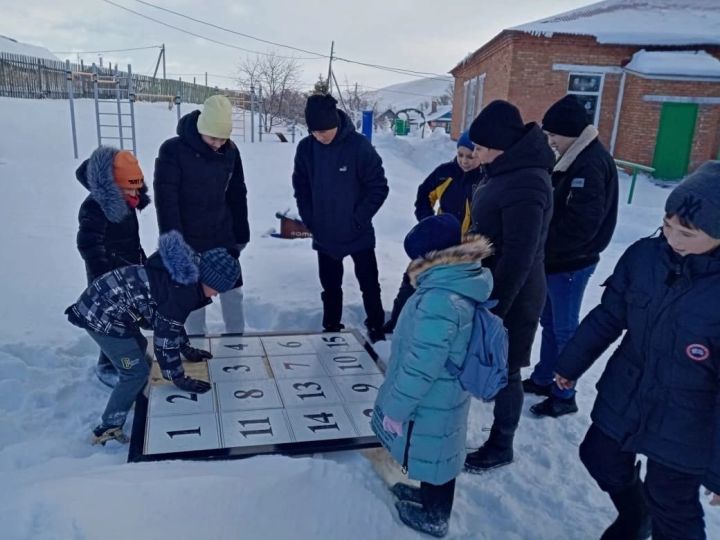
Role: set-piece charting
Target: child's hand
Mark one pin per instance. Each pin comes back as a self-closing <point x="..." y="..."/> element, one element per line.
<point x="563" y="383"/>
<point x="714" y="498"/>
<point x="392" y="426"/>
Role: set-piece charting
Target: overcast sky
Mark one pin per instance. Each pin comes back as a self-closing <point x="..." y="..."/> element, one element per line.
<point x="421" y="35"/>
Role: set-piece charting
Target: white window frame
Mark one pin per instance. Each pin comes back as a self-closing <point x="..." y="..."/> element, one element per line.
<point x="599" y="93"/>
<point x="473" y="90"/>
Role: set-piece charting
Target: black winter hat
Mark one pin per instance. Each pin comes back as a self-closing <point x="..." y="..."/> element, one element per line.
<point x="499" y="126"/>
<point x="566" y="117"/>
<point x="321" y="112"/>
<point x="697" y="199"/>
<point x="431" y="234"/>
<point x="219" y="269"/>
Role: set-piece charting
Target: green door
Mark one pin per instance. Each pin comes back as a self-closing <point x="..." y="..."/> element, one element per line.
<point x="674" y="140"/>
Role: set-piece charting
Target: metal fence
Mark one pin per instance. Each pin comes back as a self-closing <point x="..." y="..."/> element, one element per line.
<point x="37" y="78"/>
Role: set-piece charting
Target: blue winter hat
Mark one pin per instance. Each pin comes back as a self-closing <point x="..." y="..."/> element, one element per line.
<point x="464" y="140"/>
<point x="432" y="234"/>
<point x="219" y="270"/>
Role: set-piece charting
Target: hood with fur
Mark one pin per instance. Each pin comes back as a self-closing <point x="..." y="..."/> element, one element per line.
<point x="96" y="175"/>
<point x="178" y="258"/>
<point x="457" y="268"/>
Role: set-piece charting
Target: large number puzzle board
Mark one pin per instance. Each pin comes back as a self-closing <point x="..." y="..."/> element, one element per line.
<point x="271" y="393"/>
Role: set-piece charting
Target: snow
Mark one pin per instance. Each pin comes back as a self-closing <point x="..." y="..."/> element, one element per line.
<point x="56" y="486"/>
<point x="675" y="63"/>
<point x="412" y="94"/>
<point x="637" y="22"/>
<point x="11" y="46"/>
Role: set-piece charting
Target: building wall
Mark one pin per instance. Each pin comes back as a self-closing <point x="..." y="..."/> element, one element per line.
<point x="519" y="68"/>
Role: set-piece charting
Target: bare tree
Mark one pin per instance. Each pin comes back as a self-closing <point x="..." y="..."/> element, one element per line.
<point x="275" y="78"/>
<point x="447" y="97"/>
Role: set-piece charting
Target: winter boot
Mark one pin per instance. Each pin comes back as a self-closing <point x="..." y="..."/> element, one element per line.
<point x="103" y="434"/>
<point x="554" y="407"/>
<point x="376" y="334"/>
<point x="333" y="329"/>
<point x="106" y="372"/>
<point x="406" y="492"/>
<point x="332" y="310"/>
<point x="488" y="457"/>
<point x="531" y="387"/>
<point x="633" y="521"/>
<point x="416" y="517"/>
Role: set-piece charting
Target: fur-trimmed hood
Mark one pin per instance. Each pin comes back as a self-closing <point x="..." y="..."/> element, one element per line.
<point x="96" y="175"/>
<point x="457" y="268"/>
<point x="588" y="135"/>
<point x="178" y="257"/>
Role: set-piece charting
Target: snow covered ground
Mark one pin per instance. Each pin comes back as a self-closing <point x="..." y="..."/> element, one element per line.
<point x="56" y="486"/>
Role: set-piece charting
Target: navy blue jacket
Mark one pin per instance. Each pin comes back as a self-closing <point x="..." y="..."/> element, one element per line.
<point x="513" y="209"/>
<point x="660" y="392"/>
<point x="108" y="235"/>
<point x="585" y="207"/>
<point x="199" y="192"/>
<point x="452" y="188"/>
<point x="339" y="187"/>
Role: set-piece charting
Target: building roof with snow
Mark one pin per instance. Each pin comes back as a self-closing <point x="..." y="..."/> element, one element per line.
<point x="682" y="64"/>
<point x="637" y="22"/>
<point x="12" y="46"/>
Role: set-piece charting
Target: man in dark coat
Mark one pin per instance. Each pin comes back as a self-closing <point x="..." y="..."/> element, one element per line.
<point x="512" y="209"/>
<point x="108" y="235"/>
<point x="659" y="394"/>
<point x="339" y="185"/>
<point x="585" y="183"/>
<point x="200" y="192"/>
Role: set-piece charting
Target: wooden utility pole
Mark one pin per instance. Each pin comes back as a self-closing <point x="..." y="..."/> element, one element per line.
<point x="329" y="81"/>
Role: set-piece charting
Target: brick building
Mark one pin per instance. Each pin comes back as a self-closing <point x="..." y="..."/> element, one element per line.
<point x="647" y="72"/>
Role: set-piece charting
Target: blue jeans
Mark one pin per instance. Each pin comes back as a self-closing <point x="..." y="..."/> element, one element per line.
<point x="127" y="354"/>
<point x="559" y="320"/>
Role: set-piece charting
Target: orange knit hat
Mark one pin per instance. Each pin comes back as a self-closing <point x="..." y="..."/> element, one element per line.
<point x="126" y="170"/>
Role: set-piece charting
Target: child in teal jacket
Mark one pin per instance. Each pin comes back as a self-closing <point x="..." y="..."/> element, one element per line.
<point x="421" y="410"/>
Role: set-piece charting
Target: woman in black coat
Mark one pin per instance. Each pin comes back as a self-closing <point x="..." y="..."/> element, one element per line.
<point x="108" y="235"/>
<point x="513" y="209"/>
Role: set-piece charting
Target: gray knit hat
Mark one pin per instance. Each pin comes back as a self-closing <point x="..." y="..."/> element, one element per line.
<point x="697" y="199"/>
<point x="219" y="269"/>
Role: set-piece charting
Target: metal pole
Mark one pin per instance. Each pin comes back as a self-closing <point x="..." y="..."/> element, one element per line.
<point x="97" y="103"/>
<point x="618" y="108"/>
<point x="293" y="131"/>
<point x="260" y="114"/>
<point x="163" y="55"/>
<point x="252" y="114"/>
<point x="206" y="78"/>
<point x="329" y="83"/>
<point x="68" y="74"/>
<point x="131" y="99"/>
<point x="177" y="103"/>
<point x="119" y="112"/>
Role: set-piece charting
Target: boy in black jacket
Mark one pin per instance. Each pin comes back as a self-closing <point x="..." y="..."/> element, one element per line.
<point x="158" y="295"/>
<point x="585" y="204"/>
<point x="660" y="392"/>
<point x="108" y="234"/>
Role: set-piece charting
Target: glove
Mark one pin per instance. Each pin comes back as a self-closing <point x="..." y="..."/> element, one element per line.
<point x="191" y="385"/>
<point x="392" y="426"/>
<point x="192" y="354"/>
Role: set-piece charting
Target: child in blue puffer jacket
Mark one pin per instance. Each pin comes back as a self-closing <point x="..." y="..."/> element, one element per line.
<point x="421" y="410"/>
<point x="659" y="395"/>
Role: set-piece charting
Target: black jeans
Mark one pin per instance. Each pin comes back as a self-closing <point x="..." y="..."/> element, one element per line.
<point x="366" y="271"/>
<point x="405" y="292"/>
<point x="672" y="496"/>
<point x="438" y="499"/>
<point x="506" y="412"/>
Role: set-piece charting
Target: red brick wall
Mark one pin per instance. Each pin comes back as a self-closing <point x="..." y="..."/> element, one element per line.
<point x="639" y="119"/>
<point x="519" y="68"/>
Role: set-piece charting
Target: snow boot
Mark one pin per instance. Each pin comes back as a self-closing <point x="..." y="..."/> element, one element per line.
<point x="406" y="492"/>
<point x="103" y="434"/>
<point x="488" y="457"/>
<point x="331" y="329"/>
<point x="555" y="407"/>
<point x="417" y="518"/>
<point x="376" y="334"/>
<point x="633" y="521"/>
<point x="531" y="387"/>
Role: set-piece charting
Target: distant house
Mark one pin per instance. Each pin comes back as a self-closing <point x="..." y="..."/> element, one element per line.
<point x="439" y="116"/>
<point x="647" y="72"/>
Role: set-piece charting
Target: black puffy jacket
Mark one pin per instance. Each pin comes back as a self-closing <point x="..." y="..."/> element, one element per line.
<point x="339" y="187"/>
<point x="513" y="209"/>
<point x="108" y="235"/>
<point x="199" y="192"/>
<point x="660" y="392"/>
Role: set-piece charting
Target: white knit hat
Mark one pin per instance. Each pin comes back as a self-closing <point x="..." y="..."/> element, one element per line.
<point x="215" y="120"/>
